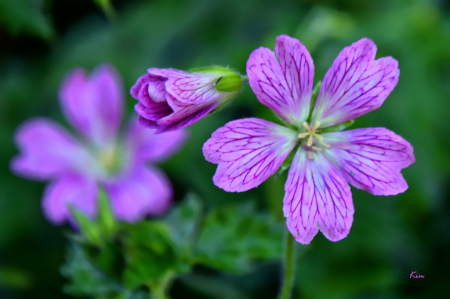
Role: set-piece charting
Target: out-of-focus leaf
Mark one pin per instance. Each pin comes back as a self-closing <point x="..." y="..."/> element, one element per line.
<point x="149" y="254"/>
<point x="85" y="275"/>
<point x="25" y="16"/>
<point x="183" y="220"/>
<point x="89" y="228"/>
<point x="234" y="236"/>
<point x="105" y="219"/>
<point x="13" y="278"/>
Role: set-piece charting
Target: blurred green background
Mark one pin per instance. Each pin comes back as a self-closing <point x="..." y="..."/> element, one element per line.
<point x="40" y="40"/>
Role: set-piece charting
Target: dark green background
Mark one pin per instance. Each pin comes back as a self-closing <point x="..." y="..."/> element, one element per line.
<point x="390" y="237"/>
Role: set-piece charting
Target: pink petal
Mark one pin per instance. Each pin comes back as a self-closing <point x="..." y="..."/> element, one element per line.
<point x="47" y="150"/>
<point x="248" y="152"/>
<point x="67" y="190"/>
<point x="147" y="146"/>
<point x="371" y="158"/>
<point x="155" y="112"/>
<point x="144" y="192"/>
<point x="284" y="87"/>
<point x="355" y="84"/>
<point x="317" y="198"/>
<point x="184" y="117"/>
<point x="149" y="88"/>
<point x="93" y="105"/>
<point x="191" y="88"/>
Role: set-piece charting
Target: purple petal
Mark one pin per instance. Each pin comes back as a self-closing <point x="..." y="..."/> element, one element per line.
<point x="155" y="112"/>
<point x="184" y="117"/>
<point x="67" y="190"/>
<point x="355" y="84"/>
<point x="147" y="146"/>
<point x="371" y="158"/>
<point x="144" y="192"/>
<point x="93" y="105"/>
<point x="317" y="198"/>
<point x="248" y="152"/>
<point x="149" y="88"/>
<point x="191" y="88"/>
<point x="284" y="87"/>
<point x="47" y="150"/>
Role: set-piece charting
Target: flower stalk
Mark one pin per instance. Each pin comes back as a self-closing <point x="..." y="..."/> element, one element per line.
<point x="289" y="268"/>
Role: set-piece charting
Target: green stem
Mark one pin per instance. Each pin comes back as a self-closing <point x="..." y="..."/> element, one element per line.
<point x="244" y="78"/>
<point x="289" y="266"/>
<point x="159" y="290"/>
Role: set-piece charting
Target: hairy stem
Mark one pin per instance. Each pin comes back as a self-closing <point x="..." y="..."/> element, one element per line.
<point x="289" y="266"/>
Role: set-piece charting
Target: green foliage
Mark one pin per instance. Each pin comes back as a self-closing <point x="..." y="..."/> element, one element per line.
<point x="233" y="236"/>
<point x="25" y="16"/>
<point x="151" y="253"/>
<point x="102" y="228"/>
<point x="183" y="222"/>
<point x="86" y="275"/>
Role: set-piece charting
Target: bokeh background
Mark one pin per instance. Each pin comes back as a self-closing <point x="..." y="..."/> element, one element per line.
<point x="40" y="40"/>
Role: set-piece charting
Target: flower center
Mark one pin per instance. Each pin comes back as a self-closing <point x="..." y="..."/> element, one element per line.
<point x="312" y="136"/>
<point x="110" y="160"/>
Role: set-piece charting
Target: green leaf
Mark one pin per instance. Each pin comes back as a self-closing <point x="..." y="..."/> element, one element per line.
<point x="107" y="223"/>
<point x="149" y="254"/>
<point x="25" y="16"/>
<point x="183" y="221"/>
<point x="85" y="275"/>
<point x="88" y="228"/>
<point x="233" y="237"/>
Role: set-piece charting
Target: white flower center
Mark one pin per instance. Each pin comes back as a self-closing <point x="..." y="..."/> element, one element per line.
<point x="312" y="135"/>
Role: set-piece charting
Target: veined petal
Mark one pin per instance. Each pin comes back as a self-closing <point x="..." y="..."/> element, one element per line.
<point x="149" y="88"/>
<point x="355" y="84"/>
<point x="317" y="198"/>
<point x="70" y="189"/>
<point x="248" y="152"/>
<point x="371" y="158"/>
<point x="47" y="150"/>
<point x="143" y="192"/>
<point x="184" y="115"/>
<point x="155" y="112"/>
<point x="93" y="105"/>
<point x="191" y="88"/>
<point x="284" y="87"/>
<point x="145" y="145"/>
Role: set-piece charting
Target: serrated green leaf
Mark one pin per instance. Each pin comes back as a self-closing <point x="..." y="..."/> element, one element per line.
<point x="149" y="254"/>
<point x="88" y="228"/>
<point x="233" y="237"/>
<point x="85" y="275"/>
<point x="183" y="221"/>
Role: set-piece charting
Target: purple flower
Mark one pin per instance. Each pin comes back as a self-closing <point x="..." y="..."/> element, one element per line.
<point x="76" y="167"/>
<point x="317" y="196"/>
<point x="171" y="99"/>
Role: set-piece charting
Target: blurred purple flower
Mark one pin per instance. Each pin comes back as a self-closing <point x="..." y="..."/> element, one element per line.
<point x="171" y="99"/>
<point x="317" y="196"/>
<point x="93" y="105"/>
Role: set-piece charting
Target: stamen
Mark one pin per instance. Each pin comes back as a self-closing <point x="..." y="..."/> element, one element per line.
<point x="325" y="145"/>
<point x="316" y="126"/>
<point x="318" y="137"/>
<point x="305" y="125"/>
<point x="310" y="156"/>
<point x="310" y="140"/>
<point x="303" y="135"/>
<point x="316" y="149"/>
